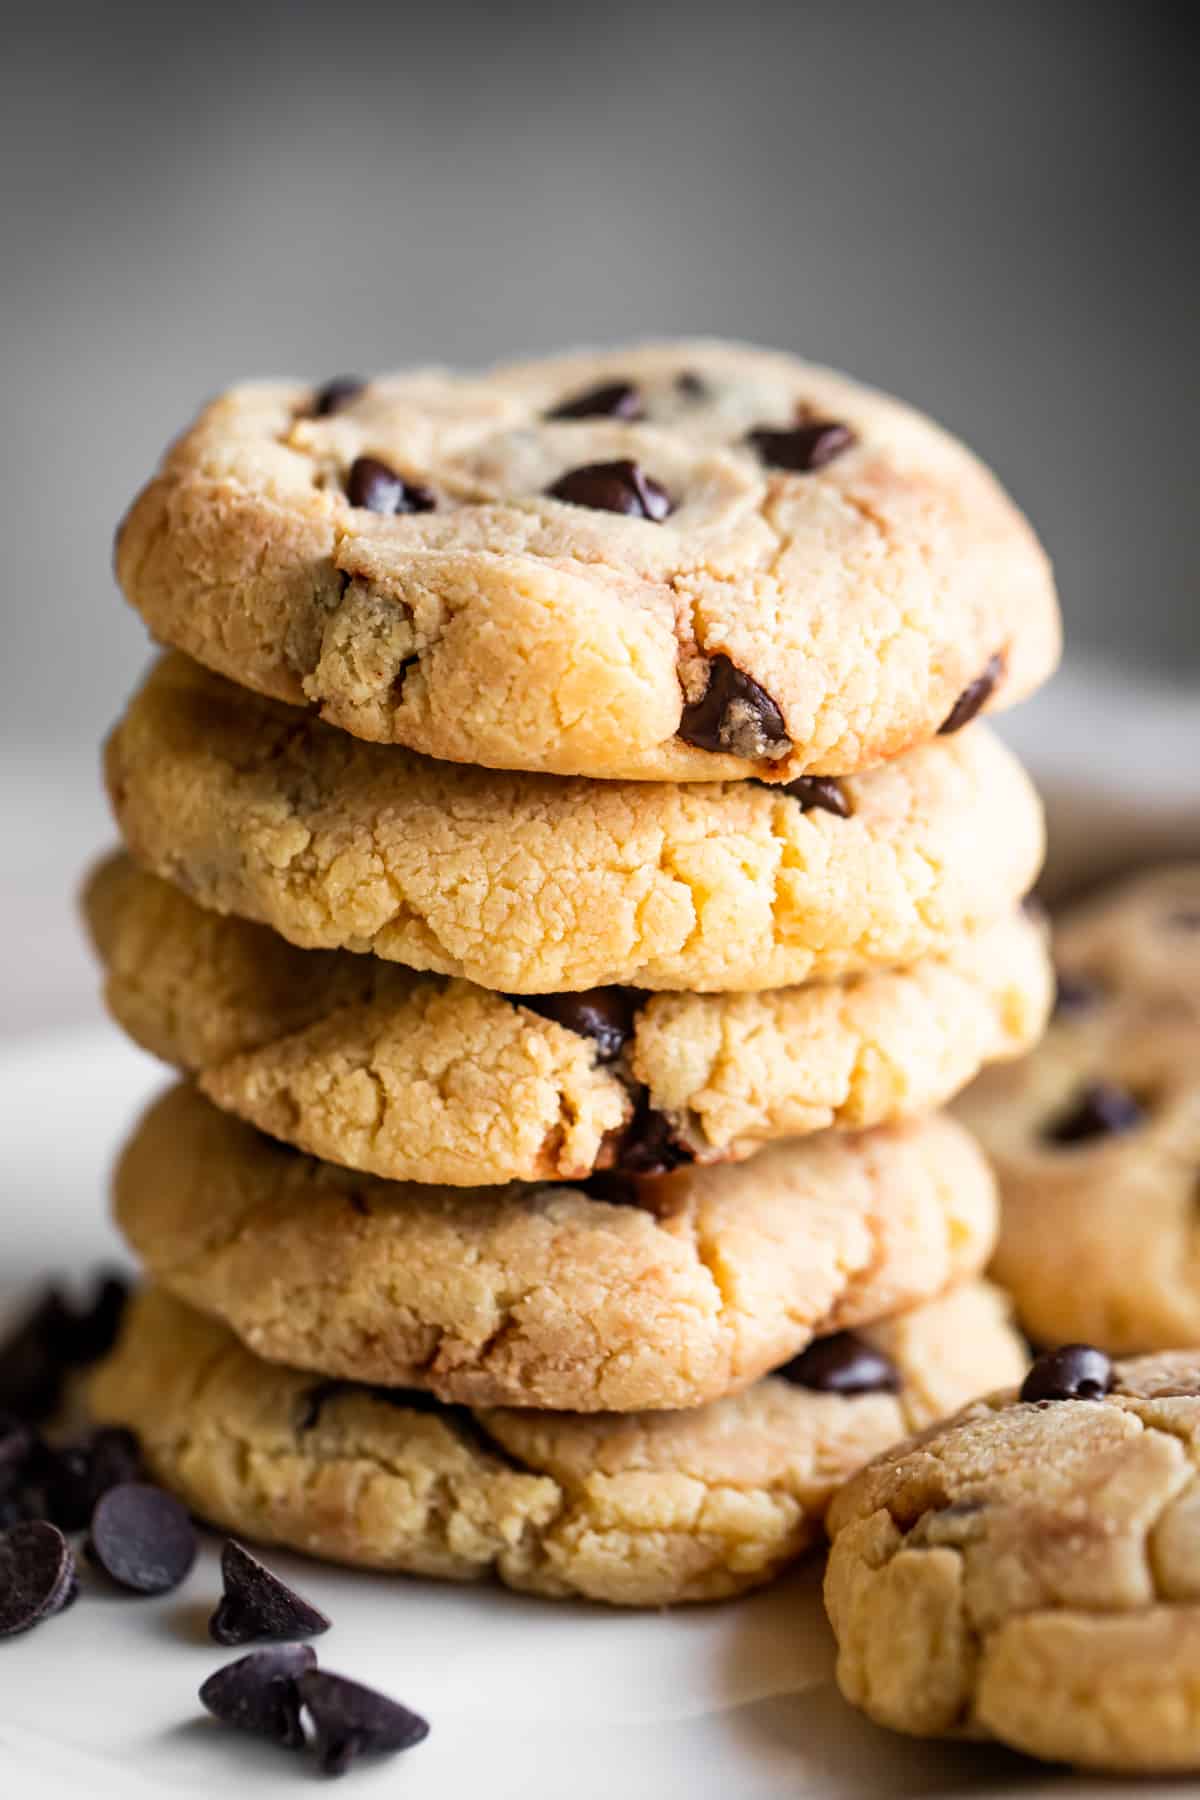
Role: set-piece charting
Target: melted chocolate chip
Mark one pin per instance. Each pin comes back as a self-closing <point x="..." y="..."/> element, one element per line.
<point x="973" y="698"/>
<point x="611" y="1187"/>
<point x="612" y="400"/>
<point x="1102" y="1109"/>
<point x="350" y="1720"/>
<point x="842" y="1364"/>
<point x="604" y="1014"/>
<point x="258" y="1693"/>
<point x="691" y="385"/>
<point x="256" y="1604"/>
<point x="734" y="715"/>
<point x="374" y="486"/>
<point x="142" y="1538"/>
<point x="801" y="448"/>
<point x="648" y="1145"/>
<point x="336" y="395"/>
<point x="819" y="793"/>
<point x="37" y="1575"/>
<point x="619" y="487"/>
<point x="1075" y="994"/>
<point x="1075" y="1372"/>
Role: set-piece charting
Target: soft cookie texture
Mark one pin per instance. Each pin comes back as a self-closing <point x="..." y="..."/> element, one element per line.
<point x="1139" y="939"/>
<point x="634" y="1294"/>
<point x="416" y="1077"/>
<point x="1031" y="1572"/>
<point x="529" y="883"/>
<point x="640" y="1510"/>
<point x="724" y="584"/>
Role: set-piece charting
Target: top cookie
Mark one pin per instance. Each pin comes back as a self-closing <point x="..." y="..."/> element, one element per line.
<point x="687" y="561"/>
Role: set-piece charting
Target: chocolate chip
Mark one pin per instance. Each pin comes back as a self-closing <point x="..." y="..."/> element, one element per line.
<point x="612" y="400"/>
<point x="376" y="487"/>
<point x="75" y="1476"/>
<point x="1075" y="1372"/>
<point x="819" y="793"/>
<point x="142" y="1538"/>
<point x="1184" y="918"/>
<point x="973" y="698"/>
<point x="734" y="715"/>
<point x="350" y="1720"/>
<point x="691" y="385"/>
<point x="258" y="1693"/>
<point x="611" y="1187"/>
<point x="648" y="1145"/>
<point x="604" y="1014"/>
<point x="52" y="1338"/>
<point x="619" y="487"/>
<point x="95" y="1325"/>
<point x="1102" y="1109"/>
<point x="1075" y="994"/>
<point x="37" y="1575"/>
<point x="336" y="395"/>
<point x="801" y="448"/>
<point x="256" y="1604"/>
<point x="842" y="1364"/>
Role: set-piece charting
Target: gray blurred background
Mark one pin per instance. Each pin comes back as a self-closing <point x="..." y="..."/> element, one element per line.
<point x="989" y="208"/>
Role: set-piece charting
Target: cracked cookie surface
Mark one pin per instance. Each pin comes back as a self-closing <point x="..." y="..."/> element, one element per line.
<point x="532" y="883"/>
<point x="1031" y="1572"/>
<point x="415" y="1077"/>
<point x="636" y="1510"/>
<point x="636" y="1294"/>
<point x="410" y="559"/>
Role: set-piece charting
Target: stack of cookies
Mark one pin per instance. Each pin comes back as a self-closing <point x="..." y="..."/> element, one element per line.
<point x="563" y="857"/>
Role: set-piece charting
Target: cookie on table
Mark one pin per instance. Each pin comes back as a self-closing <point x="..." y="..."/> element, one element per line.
<point x="416" y="1077"/>
<point x="1138" y="939"/>
<point x="1030" y="1571"/>
<point x="625" y="1293"/>
<point x="677" y="562"/>
<point x="531" y="884"/>
<point x="636" y="1510"/>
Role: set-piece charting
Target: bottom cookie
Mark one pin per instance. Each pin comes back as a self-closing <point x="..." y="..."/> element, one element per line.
<point x="633" y="1509"/>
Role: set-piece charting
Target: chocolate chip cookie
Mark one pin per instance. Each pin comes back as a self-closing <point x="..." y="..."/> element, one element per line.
<point x="641" y="1510"/>
<point x="531" y="883"/>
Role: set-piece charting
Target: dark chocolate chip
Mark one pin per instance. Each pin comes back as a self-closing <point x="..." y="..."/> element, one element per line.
<point x="604" y="1014"/>
<point x="258" y="1693"/>
<point x="1075" y="994"/>
<point x="256" y="1604"/>
<point x="691" y="385"/>
<point x="142" y="1537"/>
<point x="613" y="1188"/>
<point x="336" y="395"/>
<point x="1102" y="1109"/>
<point x="648" y="1145"/>
<point x="1075" y="1372"/>
<point x="801" y="448"/>
<point x="619" y="487"/>
<point x="53" y="1337"/>
<point x="379" y="489"/>
<point x="734" y="715"/>
<point x="819" y="793"/>
<point x="973" y="697"/>
<point x="1184" y="918"/>
<point x="612" y="400"/>
<point x="17" y="1441"/>
<point x="843" y="1364"/>
<point x="37" y="1575"/>
<point x="350" y="1720"/>
<point x="95" y="1326"/>
<point x="73" y="1477"/>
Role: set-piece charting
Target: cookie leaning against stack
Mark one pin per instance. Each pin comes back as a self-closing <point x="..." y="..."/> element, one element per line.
<point x="734" y="880"/>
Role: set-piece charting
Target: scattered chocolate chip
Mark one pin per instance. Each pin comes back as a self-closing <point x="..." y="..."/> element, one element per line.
<point x="379" y="489"/>
<point x="94" y="1326"/>
<point x="1102" y="1109"/>
<point x="819" y="793"/>
<point x="691" y="385"/>
<point x="55" y="1336"/>
<point x="973" y="697"/>
<point x="142" y="1538"/>
<point x="256" y="1604"/>
<point x="648" y="1145"/>
<point x="1074" y="1372"/>
<point x="75" y="1476"/>
<point x="1075" y="994"/>
<point x="612" y="400"/>
<point x="37" y="1575"/>
<point x="843" y="1364"/>
<point x="259" y="1693"/>
<point x="336" y="395"/>
<point x="734" y="715"/>
<point x="350" y="1720"/>
<point x="801" y="448"/>
<point x="604" y="1014"/>
<point x="619" y="487"/>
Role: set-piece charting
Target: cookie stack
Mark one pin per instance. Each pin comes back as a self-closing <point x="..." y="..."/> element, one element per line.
<point x="563" y="857"/>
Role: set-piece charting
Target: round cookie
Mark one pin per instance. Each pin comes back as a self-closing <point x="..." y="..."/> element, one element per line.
<point x="415" y="1077"/>
<point x="1139" y="938"/>
<point x="532" y="884"/>
<point x="680" y="562"/>
<point x="636" y="1510"/>
<point x="1095" y="1139"/>
<point x="1030" y="1571"/>
<point x="627" y="1294"/>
